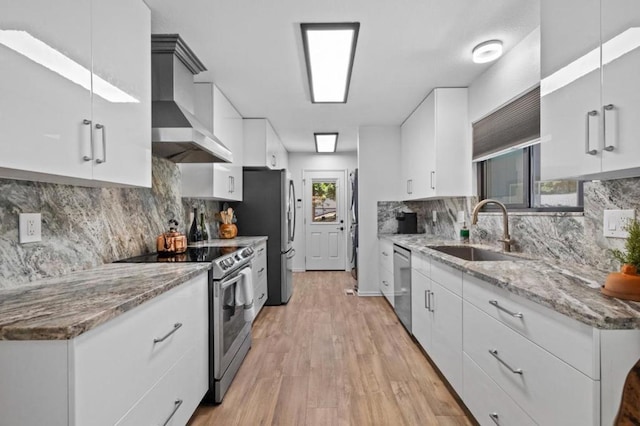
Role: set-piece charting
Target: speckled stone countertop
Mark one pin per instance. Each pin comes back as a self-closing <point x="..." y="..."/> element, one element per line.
<point x="64" y="307"/>
<point x="572" y="290"/>
<point x="237" y="241"/>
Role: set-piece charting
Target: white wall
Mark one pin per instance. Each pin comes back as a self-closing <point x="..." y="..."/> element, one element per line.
<point x="378" y="180"/>
<point x="306" y="161"/>
<point x="512" y="75"/>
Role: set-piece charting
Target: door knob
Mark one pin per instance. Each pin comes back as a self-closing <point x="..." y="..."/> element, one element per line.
<point x="341" y="228"/>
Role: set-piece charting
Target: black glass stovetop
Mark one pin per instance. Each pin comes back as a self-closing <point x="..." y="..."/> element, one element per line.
<point x="193" y="254"/>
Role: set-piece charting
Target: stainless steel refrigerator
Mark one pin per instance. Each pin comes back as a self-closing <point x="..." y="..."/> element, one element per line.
<point x="268" y="208"/>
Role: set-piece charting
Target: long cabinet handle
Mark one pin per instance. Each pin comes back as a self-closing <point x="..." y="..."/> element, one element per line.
<point x="432" y="297"/>
<point x="606" y="108"/>
<point x="494" y="417"/>
<point x="494" y="352"/>
<point x="433" y="178"/>
<point x="88" y="123"/>
<point x="176" y="405"/>
<point x="103" y="128"/>
<point x="175" y="328"/>
<point x="426" y="299"/>
<point x="513" y="314"/>
<point x="587" y="139"/>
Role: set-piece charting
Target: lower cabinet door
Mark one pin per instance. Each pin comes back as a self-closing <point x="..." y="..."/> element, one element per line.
<point x="386" y="285"/>
<point x="487" y="402"/>
<point x="420" y="314"/>
<point x="176" y="396"/>
<point x="260" y="295"/>
<point x="446" y="334"/>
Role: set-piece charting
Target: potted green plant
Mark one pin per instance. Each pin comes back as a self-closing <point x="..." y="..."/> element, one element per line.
<point x="626" y="283"/>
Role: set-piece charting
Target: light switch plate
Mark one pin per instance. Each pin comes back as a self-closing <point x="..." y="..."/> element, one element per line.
<point x="30" y="227"/>
<point x="615" y="221"/>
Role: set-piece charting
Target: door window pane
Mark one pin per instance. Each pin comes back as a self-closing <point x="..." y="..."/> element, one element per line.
<point x="324" y="201"/>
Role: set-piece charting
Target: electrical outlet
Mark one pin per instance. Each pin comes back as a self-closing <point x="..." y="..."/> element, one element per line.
<point x="615" y="221"/>
<point x="30" y="227"/>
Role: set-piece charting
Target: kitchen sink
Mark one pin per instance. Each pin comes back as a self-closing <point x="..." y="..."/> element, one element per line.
<point x="475" y="254"/>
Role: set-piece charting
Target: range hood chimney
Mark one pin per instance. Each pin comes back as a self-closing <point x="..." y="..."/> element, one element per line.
<point x="176" y="133"/>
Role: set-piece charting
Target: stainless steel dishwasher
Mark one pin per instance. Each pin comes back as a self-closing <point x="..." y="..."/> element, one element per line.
<point x="402" y="285"/>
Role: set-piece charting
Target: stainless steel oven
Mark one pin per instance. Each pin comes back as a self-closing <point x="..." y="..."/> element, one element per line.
<point x="229" y="324"/>
<point x="231" y="331"/>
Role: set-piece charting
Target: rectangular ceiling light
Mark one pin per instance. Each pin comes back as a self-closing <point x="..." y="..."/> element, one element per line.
<point x="329" y="50"/>
<point x="326" y="142"/>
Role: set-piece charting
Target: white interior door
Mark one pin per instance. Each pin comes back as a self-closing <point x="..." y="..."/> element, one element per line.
<point x="325" y="219"/>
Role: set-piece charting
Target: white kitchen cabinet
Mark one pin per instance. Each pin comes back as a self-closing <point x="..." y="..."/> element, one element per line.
<point x="76" y="93"/>
<point x="590" y="89"/>
<point x="220" y="181"/>
<point x="549" y="390"/>
<point x="436" y="147"/>
<point x="436" y="315"/>
<point x="488" y="403"/>
<point x="101" y="376"/>
<point x="262" y="145"/>
<point x="385" y="269"/>
<point x="259" y="276"/>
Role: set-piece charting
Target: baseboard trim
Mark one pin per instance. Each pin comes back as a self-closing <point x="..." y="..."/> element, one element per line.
<point x="369" y="293"/>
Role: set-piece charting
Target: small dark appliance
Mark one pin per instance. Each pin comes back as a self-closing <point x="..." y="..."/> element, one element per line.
<point x="407" y="223"/>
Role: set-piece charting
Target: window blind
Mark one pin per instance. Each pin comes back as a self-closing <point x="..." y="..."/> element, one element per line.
<point x="515" y="124"/>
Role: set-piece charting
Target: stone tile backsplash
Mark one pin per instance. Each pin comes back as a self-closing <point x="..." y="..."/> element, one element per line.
<point x="567" y="237"/>
<point x="85" y="227"/>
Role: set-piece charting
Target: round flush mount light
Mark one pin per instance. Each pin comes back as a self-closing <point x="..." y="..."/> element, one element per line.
<point x="487" y="51"/>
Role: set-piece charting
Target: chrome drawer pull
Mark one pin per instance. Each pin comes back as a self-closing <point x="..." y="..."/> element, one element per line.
<point x="494" y="417"/>
<point x="261" y="296"/>
<point x="494" y="352"/>
<point x="606" y="108"/>
<point x="177" y="403"/>
<point x="587" y="147"/>
<point x="104" y="143"/>
<point x="513" y="314"/>
<point x="384" y="253"/>
<point x="176" y="326"/>
<point x="87" y="123"/>
<point x="385" y="283"/>
<point x="261" y="270"/>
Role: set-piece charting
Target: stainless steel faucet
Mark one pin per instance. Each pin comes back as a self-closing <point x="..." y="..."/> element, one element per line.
<point x="506" y="238"/>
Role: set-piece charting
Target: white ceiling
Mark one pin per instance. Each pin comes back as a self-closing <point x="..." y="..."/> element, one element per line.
<point x="253" y="52"/>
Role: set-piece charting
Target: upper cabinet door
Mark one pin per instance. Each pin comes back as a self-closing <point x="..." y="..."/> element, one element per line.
<point x="570" y="88"/>
<point x="620" y="84"/>
<point x="45" y="63"/>
<point x="122" y="92"/>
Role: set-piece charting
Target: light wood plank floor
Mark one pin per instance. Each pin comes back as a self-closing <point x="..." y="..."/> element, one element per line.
<point x="327" y="358"/>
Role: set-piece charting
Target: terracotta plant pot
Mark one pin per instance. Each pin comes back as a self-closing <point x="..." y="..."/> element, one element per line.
<point x="227" y="230"/>
<point x="624" y="284"/>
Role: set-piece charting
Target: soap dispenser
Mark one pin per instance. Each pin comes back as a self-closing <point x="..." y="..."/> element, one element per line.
<point x="464" y="233"/>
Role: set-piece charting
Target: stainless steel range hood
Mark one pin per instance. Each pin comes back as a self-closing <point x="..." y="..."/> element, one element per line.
<point x="176" y="133"/>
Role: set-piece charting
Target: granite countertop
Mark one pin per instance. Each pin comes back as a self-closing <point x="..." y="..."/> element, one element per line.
<point x="220" y="242"/>
<point x="572" y="290"/>
<point x="64" y="307"/>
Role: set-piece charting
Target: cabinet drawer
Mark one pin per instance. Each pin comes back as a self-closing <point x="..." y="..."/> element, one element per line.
<point x="118" y="362"/>
<point x="385" y="248"/>
<point x="487" y="401"/>
<point x="549" y="390"/>
<point x="185" y="382"/>
<point x="386" y="285"/>
<point x="260" y="294"/>
<point x="447" y="277"/>
<point x="573" y="342"/>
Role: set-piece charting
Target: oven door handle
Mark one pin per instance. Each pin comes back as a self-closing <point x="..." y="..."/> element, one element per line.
<point x="225" y="284"/>
<point x="232" y="281"/>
